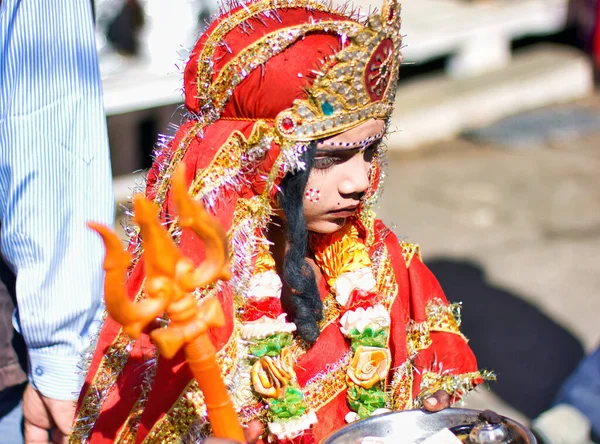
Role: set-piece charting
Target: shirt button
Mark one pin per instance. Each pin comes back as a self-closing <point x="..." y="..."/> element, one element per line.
<point x="39" y="371"/>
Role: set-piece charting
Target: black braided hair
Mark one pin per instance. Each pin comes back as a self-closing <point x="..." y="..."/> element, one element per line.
<point x="306" y="307"/>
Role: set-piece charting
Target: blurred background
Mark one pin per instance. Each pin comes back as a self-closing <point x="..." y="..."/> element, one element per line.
<point x="493" y="164"/>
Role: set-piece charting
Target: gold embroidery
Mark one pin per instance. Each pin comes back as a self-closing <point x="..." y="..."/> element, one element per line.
<point x="456" y="385"/>
<point x="189" y="407"/>
<point x="401" y="387"/>
<point x="440" y="317"/>
<point x="409" y="251"/>
<point x="323" y="387"/>
<point x="104" y="379"/>
<point x="444" y="317"/>
<point x="355" y="85"/>
<point x="259" y="52"/>
<point x="217" y="37"/>
<point x="237" y="155"/>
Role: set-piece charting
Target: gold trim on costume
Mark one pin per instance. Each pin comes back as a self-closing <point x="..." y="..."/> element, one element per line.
<point x="400" y="388"/>
<point x="440" y="317"/>
<point x="217" y="38"/>
<point x="456" y="385"/>
<point x="323" y="387"/>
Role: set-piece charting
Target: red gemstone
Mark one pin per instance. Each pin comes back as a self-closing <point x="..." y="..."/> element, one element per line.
<point x="287" y="124"/>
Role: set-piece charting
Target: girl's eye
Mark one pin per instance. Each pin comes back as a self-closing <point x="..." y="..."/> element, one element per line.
<point x="323" y="163"/>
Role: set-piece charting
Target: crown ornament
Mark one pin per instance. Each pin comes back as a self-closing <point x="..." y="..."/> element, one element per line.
<point x="357" y="84"/>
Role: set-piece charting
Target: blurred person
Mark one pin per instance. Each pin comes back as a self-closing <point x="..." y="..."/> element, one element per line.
<point x="54" y="177"/>
<point x="328" y="316"/>
<point x="576" y="408"/>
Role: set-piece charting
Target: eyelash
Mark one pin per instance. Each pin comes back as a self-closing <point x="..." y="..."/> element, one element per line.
<point x="323" y="164"/>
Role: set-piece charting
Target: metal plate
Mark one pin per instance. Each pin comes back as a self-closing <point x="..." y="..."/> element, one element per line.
<point x="415" y="426"/>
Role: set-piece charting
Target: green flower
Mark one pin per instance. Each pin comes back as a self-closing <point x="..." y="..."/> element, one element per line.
<point x="370" y="337"/>
<point x="291" y="406"/>
<point x="365" y="401"/>
<point x="271" y="345"/>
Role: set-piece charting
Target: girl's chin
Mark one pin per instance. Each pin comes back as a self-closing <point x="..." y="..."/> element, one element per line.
<point x="326" y="226"/>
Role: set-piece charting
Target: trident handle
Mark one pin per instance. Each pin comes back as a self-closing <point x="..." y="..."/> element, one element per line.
<point x="170" y="280"/>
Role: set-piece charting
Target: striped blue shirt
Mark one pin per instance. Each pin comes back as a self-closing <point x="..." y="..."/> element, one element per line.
<point x="54" y="177"/>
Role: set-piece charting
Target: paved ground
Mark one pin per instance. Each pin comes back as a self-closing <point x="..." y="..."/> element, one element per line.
<point x="515" y="235"/>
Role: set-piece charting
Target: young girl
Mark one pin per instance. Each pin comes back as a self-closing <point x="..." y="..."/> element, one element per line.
<point x="329" y="318"/>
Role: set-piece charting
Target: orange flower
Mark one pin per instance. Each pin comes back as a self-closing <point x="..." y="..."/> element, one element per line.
<point x="340" y="252"/>
<point x="369" y="366"/>
<point x="270" y="376"/>
<point x="264" y="261"/>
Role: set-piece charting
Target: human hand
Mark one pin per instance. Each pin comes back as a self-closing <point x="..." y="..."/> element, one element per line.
<point x="46" y="420"/>
<point x="440" y="400"/>
<point x="252" y="434"/>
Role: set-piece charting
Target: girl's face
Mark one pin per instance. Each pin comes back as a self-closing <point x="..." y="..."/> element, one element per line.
<point x="340" y="177"/>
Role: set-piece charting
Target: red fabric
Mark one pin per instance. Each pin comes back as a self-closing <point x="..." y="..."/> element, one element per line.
<point x="256" y="309"/>
<point x="266" y="92"/>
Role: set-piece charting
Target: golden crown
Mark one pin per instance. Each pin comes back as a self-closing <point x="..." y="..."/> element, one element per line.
<point x="357" y="84"/>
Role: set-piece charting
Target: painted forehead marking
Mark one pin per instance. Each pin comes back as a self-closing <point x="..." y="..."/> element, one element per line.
<point x="343" y="146"/>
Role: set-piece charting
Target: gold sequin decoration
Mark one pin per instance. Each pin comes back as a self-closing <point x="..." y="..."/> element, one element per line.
<point x="323" y="387"/>
<point x="190" y="407"/>
<point x="400" y="388"/>
<point x="456" y="385"/>
<point x="259" y="52"/>
<point x="440" y="317"/>
<point x="236" y="155"/>
<point x="106" y="376"/>
<point x="409" y="251"/>
<point x="217" y="37"/>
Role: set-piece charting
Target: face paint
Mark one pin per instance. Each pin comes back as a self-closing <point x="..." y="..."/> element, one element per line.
<point x="312" y="195"/>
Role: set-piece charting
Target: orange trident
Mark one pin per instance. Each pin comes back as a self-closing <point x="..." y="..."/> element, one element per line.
<point x="171" y="279"/>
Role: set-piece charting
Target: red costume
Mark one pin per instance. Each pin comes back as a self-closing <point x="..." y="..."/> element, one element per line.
<point x="264" y="81"/>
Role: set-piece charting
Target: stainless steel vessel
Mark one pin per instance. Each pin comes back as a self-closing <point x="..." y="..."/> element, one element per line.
<point x="416" y="425"/>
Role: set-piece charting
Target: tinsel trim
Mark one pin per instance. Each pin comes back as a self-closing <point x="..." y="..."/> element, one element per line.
<point x="237" y="159"/>
<point x="128" y="432"/>
<point x="400" y="388"/>
<point x="326" y="385"/>
<point x="190" y="407"/>
<point x="268" y="9"/>
<point x="440" y="317"/>
<point x="456" y="385"/>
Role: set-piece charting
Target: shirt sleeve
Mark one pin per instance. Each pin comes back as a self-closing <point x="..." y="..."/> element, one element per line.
<point x="54" y="177"/>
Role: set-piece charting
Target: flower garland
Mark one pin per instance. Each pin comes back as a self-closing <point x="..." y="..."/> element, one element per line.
<point x="346" y="265"/>
<point x="269" y="337"/>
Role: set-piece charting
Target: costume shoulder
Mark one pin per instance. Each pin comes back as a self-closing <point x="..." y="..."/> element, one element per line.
<point x="407" y="249"/>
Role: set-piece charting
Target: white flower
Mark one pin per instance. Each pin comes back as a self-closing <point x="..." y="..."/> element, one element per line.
<point x="263" y="285"/>
<point x="265" y="326"/>
<point x="294" y="427"/>
<point x="361" y="278"/>
<point x="376" y="316"/>
<point x="351" y="417"/>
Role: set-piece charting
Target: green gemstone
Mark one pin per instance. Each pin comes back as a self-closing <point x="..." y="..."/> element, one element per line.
<point x="327" y="108"/>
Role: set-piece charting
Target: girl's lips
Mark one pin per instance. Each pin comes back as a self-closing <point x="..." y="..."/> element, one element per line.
<point x="346" y="212"/>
